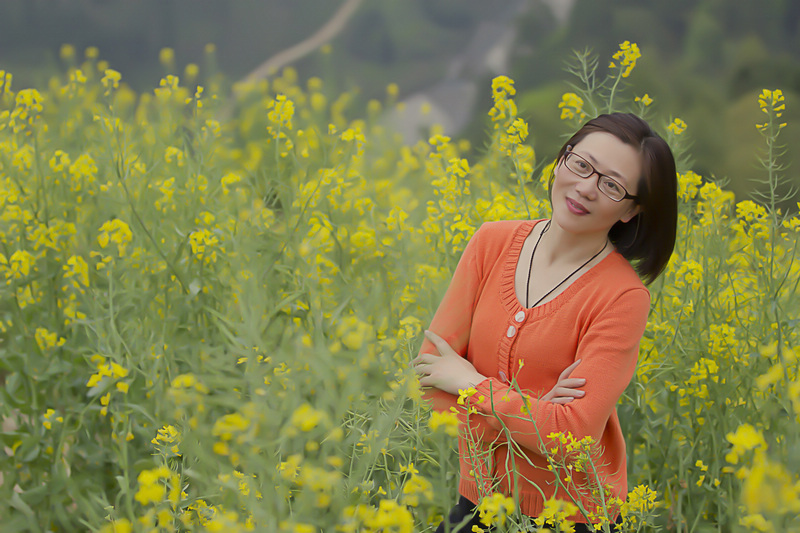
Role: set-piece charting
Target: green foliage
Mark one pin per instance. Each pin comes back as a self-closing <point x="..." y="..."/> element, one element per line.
<point x="208" y="325"/>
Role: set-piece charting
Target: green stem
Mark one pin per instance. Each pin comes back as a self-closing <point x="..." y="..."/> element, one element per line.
<point x="613" y="92"/>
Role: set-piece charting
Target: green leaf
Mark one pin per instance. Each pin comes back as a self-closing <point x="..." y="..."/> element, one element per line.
<point x="18" y="504"/>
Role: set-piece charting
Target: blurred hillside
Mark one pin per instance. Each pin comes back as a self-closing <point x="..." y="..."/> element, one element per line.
<point x="703" y="60"/>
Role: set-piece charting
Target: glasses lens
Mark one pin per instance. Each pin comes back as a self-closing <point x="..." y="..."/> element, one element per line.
<point x="611" y="188"/>
<point x="579" y="165"/>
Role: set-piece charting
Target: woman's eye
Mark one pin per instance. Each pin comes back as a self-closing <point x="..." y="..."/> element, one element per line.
<point x="612" y="185"/>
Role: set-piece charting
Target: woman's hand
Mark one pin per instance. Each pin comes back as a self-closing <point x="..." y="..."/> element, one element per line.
<point x="448" y="371"/>
<point x="566" y="389"/>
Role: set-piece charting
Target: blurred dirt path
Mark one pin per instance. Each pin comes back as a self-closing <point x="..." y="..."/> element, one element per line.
<point x="292" y="54"/>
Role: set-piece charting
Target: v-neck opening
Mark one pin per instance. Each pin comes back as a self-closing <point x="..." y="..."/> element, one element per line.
<point x="508" y="282"/>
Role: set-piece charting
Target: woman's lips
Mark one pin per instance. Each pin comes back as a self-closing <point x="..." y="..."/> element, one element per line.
<point x="576" y="207"/>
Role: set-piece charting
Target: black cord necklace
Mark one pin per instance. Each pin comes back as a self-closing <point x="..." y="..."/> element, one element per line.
<point x="535" y="246"/>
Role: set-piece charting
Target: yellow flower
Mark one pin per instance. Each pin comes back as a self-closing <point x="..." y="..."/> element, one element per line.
<point x="571" y="106"/>
<point x="123" y="525"/>
<point x="48" y="419"/>
<point x="167" y="440"/>
<point x="689" y="274"/>
<point x="226" y="426"/>
<point x="77" y="268"/>
<point x="175" y="153"/>
<point x="772" y="101"/>
<point x="19" y="265"/>
<point x="191" y="71"/>
<point x="306" y="418"/>
<point x="677" y="126"/>
<point x="770" y="488"/>
<point x="627" y="55"/>
<point x="464" y="394"/>
<point x="446" y="420"/>
<point x="495" y="508"/>
<point x="111" y="79"/>
<point x="641" y="500"/>
<point x="745" y="438"/>
<point x="504" y="107"/>
<point x="290" y="468"/>
<point x="689" y="184"/>
<point x="281" y="111"/>
<point x="116" y="231"/>
<point x="414" y="487"/>
<point x="353" y="332"/>
<point x="67" y="51"/>
<point x="502" y="87"/>
<point x="391" y="516"/>
<point x="204" y="244"/>
<point x="757" y="522"/>
<point x="518" y="131"/>
<point x="47" y="340"/>
<point x="166" y="56"/>
<point x="27" y="109"/>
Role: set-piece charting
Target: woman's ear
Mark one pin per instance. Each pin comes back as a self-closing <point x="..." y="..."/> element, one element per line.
<point x="629" y="214"/>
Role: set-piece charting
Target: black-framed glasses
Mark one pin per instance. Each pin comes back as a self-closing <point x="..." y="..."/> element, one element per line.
<point x="607" y="185"/>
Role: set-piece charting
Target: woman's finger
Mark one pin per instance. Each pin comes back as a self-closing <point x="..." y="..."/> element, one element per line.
<point x="427" y="381"/>
<point x="439" y="342"/>
<point x="561" y="401"/>
<point x="563" y="392"/>
<point x="423" y="359"/>
<point x="571" y="383"/>
<point x="567" y="371"/>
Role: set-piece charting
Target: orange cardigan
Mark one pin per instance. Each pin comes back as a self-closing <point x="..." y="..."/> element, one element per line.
<point x="599" y="318"/>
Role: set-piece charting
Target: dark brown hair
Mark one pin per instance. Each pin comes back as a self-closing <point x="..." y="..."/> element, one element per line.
<point x="647" y="240"/>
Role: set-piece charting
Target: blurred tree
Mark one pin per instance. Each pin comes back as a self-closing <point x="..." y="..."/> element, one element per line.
<point x="370" y="38"/>
<point x="703" y="43"/>
<point x="755" y="67"/>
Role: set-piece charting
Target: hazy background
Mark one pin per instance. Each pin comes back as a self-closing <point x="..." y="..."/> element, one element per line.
<point x="704" y="61"/>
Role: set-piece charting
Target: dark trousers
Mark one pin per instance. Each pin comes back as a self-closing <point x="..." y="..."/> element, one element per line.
<point x="464" y="509"/>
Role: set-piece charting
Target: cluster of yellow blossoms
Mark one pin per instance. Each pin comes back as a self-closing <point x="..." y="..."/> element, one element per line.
<point x="257" y="286"/>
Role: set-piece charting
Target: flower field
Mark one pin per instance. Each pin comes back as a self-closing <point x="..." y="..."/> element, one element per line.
<point x="210" y="304"/>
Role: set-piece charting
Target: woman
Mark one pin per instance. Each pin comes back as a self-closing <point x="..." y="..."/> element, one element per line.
<point x="534" y="301"/>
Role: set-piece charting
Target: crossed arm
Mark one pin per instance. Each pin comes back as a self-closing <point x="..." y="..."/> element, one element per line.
<point x="450" y="373"/>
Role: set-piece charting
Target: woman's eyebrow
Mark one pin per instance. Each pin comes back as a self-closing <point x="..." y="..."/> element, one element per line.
<point x="612" y="173"/>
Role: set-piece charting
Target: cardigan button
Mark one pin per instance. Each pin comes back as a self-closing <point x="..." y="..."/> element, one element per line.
<point x="519" y="317"/>
<point x="503" y="377"/>
<point x="511" y="331"/>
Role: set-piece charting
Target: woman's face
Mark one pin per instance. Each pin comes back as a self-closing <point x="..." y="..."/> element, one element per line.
<point x="578" y="205"/>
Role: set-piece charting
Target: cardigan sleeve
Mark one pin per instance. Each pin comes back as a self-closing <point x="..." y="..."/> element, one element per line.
<point x="608" y="349"/>
<point x="453" y="318"/>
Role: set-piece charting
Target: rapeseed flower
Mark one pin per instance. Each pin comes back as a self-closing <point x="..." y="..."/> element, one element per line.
<point x="745" y="438"/>
<point x="677" y="126"/>
<point x="638" y="506"/>
<point x="48" y="419"/>
<point x="571" y="106"/>
<point x="27" y="111"/>
<point x="305" y="418"/>
<point x="627" y="55"/>
<point x="115" y="231"/>
<point x="281" y="112"/>
<point x="494" y="509"/>
<point x="47" y="339"/>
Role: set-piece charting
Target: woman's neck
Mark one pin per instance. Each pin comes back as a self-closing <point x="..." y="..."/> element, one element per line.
<point x="560" y="247"/>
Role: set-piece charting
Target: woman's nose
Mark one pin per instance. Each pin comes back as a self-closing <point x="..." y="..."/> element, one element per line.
<point x="587" y="187"/>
